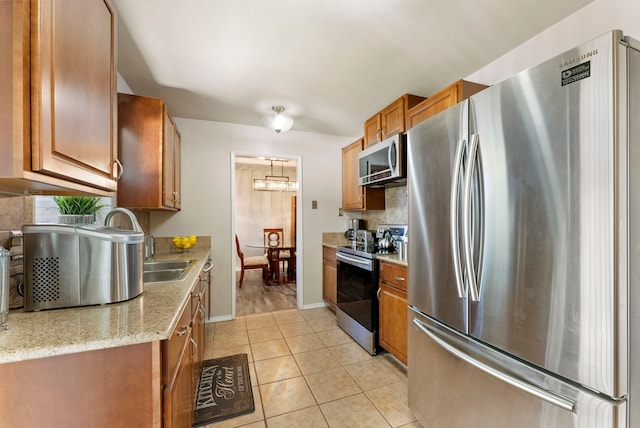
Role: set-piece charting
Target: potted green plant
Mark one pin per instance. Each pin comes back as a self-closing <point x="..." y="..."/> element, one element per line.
<point x="77" y="209"/>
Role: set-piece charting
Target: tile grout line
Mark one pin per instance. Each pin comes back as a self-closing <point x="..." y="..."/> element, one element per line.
<point x="291" y="353"/>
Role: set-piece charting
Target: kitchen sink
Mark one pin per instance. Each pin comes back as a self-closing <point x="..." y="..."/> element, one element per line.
<point x="167" y="270"/>
<point x="163" y="275"/>
<point x="166" y="265"/>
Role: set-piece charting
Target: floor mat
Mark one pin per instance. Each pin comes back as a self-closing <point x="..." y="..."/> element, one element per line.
<point x="225" y="390"/>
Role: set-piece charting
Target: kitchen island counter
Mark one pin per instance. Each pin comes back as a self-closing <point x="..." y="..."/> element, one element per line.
<point x="152" y="316"/>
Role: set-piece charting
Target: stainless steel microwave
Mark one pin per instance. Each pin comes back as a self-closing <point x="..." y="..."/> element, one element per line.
<point x="383" y="163"/>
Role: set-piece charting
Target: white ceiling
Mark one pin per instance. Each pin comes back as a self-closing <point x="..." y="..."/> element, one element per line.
<point x="331" y="63"/>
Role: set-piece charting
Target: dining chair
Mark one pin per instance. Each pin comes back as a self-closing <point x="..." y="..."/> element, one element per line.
<point x="253" y="262"/>
<point x="274" y="239"/>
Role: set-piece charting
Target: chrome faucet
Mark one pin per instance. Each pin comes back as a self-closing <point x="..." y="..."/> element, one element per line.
<point x="149" y="247"/>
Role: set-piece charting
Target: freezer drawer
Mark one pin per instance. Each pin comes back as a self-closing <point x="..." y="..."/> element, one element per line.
<point x="459" y="382"/>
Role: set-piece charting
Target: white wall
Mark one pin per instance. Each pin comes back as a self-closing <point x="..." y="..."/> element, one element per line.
<point x="590" y="22"/>
<point x="207" y="149"/>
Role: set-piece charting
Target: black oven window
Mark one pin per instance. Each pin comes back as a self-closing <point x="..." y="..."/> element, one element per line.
<point x="357" y="294"/>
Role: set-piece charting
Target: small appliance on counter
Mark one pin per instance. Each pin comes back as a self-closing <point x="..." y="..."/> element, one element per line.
<point x="391" y="237"/>
<point x="81" y="265"/>
<point x="355" y="224"/>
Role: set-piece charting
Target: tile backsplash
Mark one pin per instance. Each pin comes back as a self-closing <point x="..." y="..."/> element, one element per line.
<point x="14" y="212"/>
<point x="395" y="212"/>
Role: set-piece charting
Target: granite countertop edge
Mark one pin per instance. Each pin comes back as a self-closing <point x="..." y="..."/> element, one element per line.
<point x="392" y="258"/>
<point x="152" y="316"/>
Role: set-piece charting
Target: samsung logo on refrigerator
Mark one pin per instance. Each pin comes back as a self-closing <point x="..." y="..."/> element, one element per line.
<point x="579" y="59"/>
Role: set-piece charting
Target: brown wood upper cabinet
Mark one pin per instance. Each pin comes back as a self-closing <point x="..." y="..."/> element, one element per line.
<point x="390" y="121"/>
<point x="149" y="149"/>
<point x="354" y="196"/>
<point x="58" y="96"/>
<point x="448" y="97"/>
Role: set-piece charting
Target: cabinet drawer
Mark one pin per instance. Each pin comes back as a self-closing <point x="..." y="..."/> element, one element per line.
<point x="329" y="254"/>
<point x="196" y="296"/>
<point x="172" y="347"/>
<point x="394" y="274"/>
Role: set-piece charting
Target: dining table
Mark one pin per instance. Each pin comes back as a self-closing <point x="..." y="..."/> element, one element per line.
<point x="272" y="254"/>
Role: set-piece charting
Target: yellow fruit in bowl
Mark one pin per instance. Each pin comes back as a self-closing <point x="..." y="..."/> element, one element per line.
<point x="193" y="240"/>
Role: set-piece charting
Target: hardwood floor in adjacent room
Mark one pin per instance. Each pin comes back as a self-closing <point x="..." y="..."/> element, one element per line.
<point x="255" y="297"/>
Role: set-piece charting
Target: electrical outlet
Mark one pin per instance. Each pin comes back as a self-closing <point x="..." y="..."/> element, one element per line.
<point x="314" y="205"/>
<point x="340" y="212"/>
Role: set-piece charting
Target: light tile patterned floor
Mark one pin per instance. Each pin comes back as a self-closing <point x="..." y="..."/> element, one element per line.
<point x="306" y="372"/>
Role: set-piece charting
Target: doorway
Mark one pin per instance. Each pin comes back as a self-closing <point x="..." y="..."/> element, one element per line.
<point x="265" y="196"/>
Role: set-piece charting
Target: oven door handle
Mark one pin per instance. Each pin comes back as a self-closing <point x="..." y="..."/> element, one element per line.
<point x="365" y="264"/>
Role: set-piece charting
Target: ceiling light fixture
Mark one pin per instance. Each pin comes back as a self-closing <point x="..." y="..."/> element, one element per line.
<point x="278" y="122"/>
<point x="278" y="183"/>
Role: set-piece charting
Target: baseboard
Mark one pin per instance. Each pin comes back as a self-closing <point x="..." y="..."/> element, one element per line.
<point x="218" y="319"/>
<point x="315" y="305"/>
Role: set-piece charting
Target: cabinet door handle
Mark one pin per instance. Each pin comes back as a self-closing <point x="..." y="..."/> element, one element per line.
<point x="210" y="266"/>
<point x="378" y="293"/>
<point x="120" y="169"/>
<point x="184" y="330"/>
<point x="195" y="345"/>
<point x="398" y="278"/>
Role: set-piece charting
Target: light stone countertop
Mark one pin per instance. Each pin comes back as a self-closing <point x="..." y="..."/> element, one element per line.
<point x="334" y="239"/>
<point x="149" y="317"/>
<point x="392" y="258"/>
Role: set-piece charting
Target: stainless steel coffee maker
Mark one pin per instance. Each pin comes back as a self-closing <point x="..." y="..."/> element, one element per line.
<point x="354" y="225"/>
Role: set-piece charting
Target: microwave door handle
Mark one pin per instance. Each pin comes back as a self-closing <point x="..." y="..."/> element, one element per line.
<point x="454" y="217"/>
<point x="467" y="220"/>
<point x="390" y="151"/>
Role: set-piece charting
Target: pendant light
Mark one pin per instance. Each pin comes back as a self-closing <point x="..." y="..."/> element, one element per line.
<point x="278" y="122"/>
<point x="278" y="183"/>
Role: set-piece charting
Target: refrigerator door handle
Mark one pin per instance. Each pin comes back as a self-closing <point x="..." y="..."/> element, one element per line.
<point x="551" y="397"/>
<point x="453" y="220"/>
<point x="466" y="216"/>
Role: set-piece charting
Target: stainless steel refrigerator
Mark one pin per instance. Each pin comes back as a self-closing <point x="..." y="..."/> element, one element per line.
<point x="524" y="248"/>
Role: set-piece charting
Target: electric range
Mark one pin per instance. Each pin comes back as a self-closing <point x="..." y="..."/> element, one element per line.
<point x="357" y="285"/>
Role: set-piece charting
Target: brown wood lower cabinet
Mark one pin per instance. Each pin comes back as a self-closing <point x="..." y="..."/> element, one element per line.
<point x="114" y="387"/>
<point x="152" y="384"/>
<point x="329" y="275"/>
<point x="183" y="354"/>
<point x="392" y="296"/>
<point x="177" y="374"/>
<point x="178" y="395"/>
